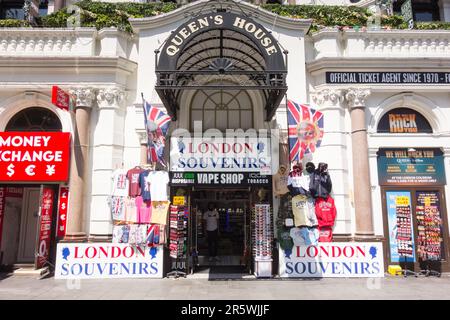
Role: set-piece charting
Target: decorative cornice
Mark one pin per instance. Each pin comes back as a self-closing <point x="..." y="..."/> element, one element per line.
<point x="327" y="97"/>
<point x="84" y="96"/>
<point x="110" y="97"/>
<point x="183" y="12"/>
<point x="356" y="97"/>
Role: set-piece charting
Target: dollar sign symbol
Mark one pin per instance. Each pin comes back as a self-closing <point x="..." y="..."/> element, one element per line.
<point x="10" y="170"/>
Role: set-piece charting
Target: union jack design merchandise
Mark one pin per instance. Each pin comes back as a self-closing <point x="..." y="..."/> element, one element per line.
<point x="156" y="138"/>
<point x="305" y="130"/>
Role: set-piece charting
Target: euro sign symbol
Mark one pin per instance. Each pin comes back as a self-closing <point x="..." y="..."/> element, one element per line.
<point x="10" y="170"/>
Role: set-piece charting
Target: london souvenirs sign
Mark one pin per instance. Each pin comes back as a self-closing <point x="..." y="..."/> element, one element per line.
<point x="232" y="154"/>
<point x="107" y="260"/>
<point x="333" y="260"/>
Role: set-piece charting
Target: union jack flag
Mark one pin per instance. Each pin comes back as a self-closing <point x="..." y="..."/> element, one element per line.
<point x="157" y="124"/>
<point x="305" y="130"/>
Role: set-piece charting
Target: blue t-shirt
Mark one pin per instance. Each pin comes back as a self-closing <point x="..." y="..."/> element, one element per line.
<point x="145" y="187"/>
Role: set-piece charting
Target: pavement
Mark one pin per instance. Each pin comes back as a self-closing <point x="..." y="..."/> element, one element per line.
<point x="192" y="288"/>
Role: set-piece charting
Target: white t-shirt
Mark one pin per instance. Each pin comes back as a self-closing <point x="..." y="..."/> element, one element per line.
<point x="296" y="235"/>
<point x="158" y="181"/>
<point x="120" y="183"/>
<point x="299" y="182"/>
<point x="212" y="218"/>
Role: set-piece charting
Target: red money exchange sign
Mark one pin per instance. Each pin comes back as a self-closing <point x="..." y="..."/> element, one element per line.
<point x="62" y="209"/>
<point x="34" y="156"/>
<point x="45" y="226"/>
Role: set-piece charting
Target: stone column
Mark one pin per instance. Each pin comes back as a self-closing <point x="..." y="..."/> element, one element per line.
<point x="356" y="99"/>
<point x="143" y="141"/>
<point x="330" y="102"/>
<point x="107" y="155"/>
<point x="79" y="164"/>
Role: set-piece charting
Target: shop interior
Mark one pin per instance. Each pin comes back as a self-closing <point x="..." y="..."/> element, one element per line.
<point x="233" y="207"/>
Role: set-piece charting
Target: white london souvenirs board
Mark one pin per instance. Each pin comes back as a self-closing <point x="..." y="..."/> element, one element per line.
<point x="107" y="260"/>
<point x="333" y="260"/>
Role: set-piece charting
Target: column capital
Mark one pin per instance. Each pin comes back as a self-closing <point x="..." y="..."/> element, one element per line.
<point x="328" y="96"/>
<point x="111" y="97"/>
<point x="142" y="136"/>
<point x="356" y="97"/>
<point x="84" y="96"/>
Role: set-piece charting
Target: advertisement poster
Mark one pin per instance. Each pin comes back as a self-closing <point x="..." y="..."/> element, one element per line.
<point x="333" y="260"/>
<point x="399" y="167"/>
<point x="401" y="240"/>
<point x="45" y="226"/>
<point x="107" y="260"/>
<point x="34" y="156"/>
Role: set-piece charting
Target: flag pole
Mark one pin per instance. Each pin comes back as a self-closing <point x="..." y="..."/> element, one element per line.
<point x="145" y="127"/>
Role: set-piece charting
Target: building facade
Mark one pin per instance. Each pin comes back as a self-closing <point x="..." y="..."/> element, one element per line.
<point x="383" y="95"/>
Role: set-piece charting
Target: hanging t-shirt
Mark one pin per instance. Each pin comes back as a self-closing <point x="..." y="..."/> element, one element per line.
<point x="159" y="212"/>
<point x="130" y="210"/>
<point x="285" y="239"/>
<point x="305" y="236"/>
<point x="297" y="236"/>
<point x="120" y="183"/>
<point x="134" y="189"/>
<point x="300" y="210"/>
<point x="144" y="185"/>
<point x="158" y="185"/>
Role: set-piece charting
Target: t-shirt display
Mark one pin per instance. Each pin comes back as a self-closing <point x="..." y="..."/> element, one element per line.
<point x="137" y="220"/>
<point x="120" y="183"/>
<point x="303" y="208"/>
<point x="158" y="185"/>
<point x="144" y="185"/>
<point x="305" y="236"/>
<point x="133" y="181"/>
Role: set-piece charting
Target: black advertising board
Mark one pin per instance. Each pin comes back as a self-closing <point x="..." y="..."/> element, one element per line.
<point x="403" y="120"/>
<point x="388" y="77"/>
<point x="220" y="179"/>
<point x="400" y="167"/>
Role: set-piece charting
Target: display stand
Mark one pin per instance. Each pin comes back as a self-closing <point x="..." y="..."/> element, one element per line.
<point x="262" y="240"/>
<point x="429" y="235"/>
<point x="178" y="239"/>
<point x="404" y="237"/>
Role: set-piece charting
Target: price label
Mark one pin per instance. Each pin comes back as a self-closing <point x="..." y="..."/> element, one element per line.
<point x="402" y="201"/>
<point x="179" y="201"/>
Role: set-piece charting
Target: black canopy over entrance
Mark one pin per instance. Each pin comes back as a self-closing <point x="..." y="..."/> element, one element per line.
<point x="221" y="51"/>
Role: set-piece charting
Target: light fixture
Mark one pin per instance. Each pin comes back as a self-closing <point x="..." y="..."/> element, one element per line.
<point x="411" y="150"/>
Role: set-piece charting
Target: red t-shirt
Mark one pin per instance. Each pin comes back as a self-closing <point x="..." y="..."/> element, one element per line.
<point x="133" y="178"/>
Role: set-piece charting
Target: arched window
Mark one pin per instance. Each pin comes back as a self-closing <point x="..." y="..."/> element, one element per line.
<point x="403" y="120"/>
<point x="34" y="119"/>
<point x="222" y="109"/>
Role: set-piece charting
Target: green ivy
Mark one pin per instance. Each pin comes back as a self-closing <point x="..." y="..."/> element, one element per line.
<point x="105" y="14"/>
<point x="13" y="23"/>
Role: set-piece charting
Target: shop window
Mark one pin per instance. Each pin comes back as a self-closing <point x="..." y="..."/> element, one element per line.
<point x="34" y="119"/>
<point x="231" y="109"/>
<point x="403" y="120"/>
<point x="423" y="10"/>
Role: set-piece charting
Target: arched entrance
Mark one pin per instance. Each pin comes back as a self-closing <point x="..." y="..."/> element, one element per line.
<point x="227" y="71"/>
<point x="20" y="202"/>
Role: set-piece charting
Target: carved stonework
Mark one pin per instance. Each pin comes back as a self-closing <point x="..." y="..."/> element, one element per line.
<point x="110" y="97"/>
<point x="327" y="97"/>
<point x="356" y="98"/>
<point x="84" y="97"/>
<point x="142" y="136"/>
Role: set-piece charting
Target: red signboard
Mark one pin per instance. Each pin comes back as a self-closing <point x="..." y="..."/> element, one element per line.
<point x="45" y="226"/>
<point x="60" y="98"/>
<point x="2" y="210"/>
<point x="62" y="211"/>
<point x="34" y="156"/>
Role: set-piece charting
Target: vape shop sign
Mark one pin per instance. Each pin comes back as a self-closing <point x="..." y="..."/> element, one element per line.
<point x="107" y="260"/>
<point x="34" y="156"/>
<point x="333" y="260"/>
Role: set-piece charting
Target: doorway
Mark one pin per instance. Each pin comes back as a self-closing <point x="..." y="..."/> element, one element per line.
<point x="233" y="207"/>
<point x="28" y="225"/>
